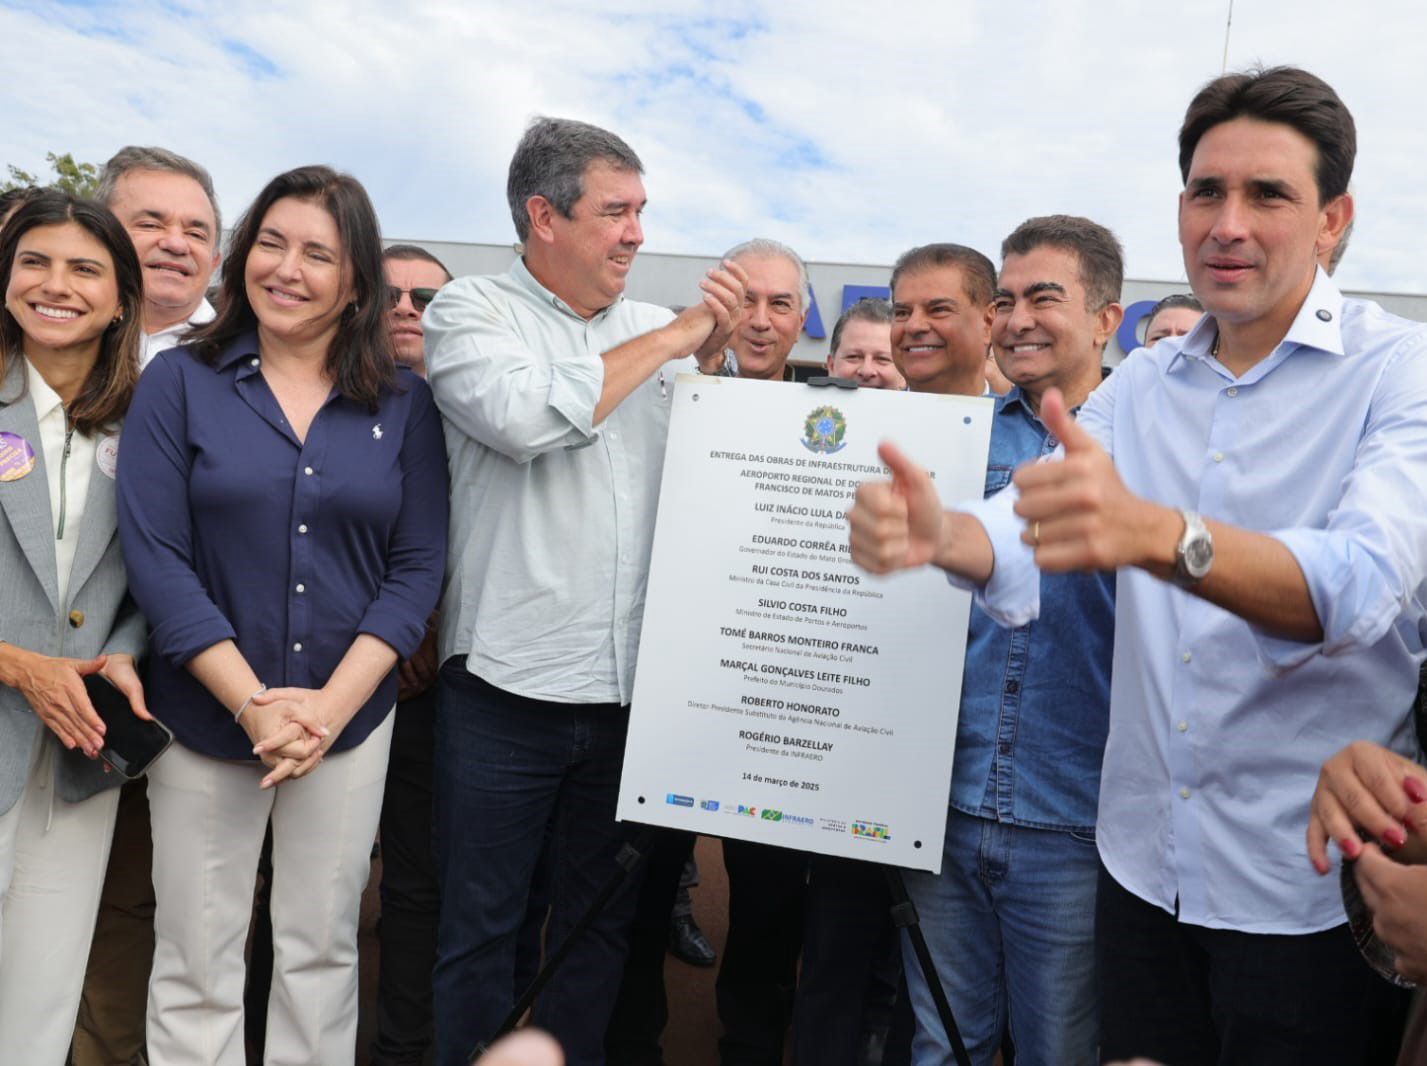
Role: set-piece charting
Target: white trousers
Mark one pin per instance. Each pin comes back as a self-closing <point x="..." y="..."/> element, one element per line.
<point x="209" y="818"/>
<point x="52" y="860"/>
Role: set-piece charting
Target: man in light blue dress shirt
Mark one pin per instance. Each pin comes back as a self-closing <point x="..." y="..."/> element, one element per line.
<point x="555" y="392"/>
<point x="1249" y="645"/>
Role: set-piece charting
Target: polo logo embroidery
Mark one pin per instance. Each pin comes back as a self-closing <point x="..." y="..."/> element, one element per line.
<point x="377" y="431"/>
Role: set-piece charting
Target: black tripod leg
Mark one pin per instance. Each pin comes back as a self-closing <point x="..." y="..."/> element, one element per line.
<point x="628" y="857"/>
<point x="904" y="916"/>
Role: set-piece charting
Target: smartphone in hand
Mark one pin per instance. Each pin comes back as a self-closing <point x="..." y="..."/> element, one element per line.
<point x="130" y="744"/>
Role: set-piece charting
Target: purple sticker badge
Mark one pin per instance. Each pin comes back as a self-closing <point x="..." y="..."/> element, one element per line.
<point x="106" y="454"/>
<point x="17" y="458"/>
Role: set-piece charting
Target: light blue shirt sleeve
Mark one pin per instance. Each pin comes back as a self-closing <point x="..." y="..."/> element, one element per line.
<point x="1012" y="595"/>
<point x="1371" y="560"/>
<point x="491" y="383"/>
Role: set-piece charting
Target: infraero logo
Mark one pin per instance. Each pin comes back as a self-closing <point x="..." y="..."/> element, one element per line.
<point x="675" y="800"/>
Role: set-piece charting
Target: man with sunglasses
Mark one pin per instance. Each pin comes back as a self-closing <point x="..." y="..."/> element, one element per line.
<point x="412" y="277"/>
<point x="410" y="892"/>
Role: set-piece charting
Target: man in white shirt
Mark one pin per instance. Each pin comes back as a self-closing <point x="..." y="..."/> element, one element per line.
<point x="167" y="204"/>
<point x="1250" y="645"/>
<point x="555" y="391"/>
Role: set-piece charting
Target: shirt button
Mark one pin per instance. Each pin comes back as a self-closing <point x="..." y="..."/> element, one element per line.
<point x="1184" y="727"/>
<point x="1218" y="457"/>
<point x="1186" y="657"/>
<point x="307" y="470"/>
<point x="1013" y="686"/>
<point x="301" y="587"/>
<point x="302" y="528"/>
<point x="1184" y="793"/>
<point x="1232" y="390"/>
<point x="297" y="646"/>
<point x="1004" y="749"/>
<point x="255" y="361"/>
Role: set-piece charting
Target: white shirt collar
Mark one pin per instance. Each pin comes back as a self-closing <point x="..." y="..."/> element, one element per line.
<point x="44" y="397"/>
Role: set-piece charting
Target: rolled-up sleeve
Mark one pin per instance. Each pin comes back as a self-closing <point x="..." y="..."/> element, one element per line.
<point x="1370" y="563"/>
<point x="417" y="547"/>
<point x="127" y="637"/>
<point x="1012" y="595"/>
<point x="493" y="387"/>
<point x="155" y="526"/>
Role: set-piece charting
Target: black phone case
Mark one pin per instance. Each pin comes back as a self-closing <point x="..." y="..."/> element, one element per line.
<point x="130" y="744"/>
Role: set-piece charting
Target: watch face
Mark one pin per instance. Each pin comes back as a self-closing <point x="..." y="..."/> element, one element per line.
<point x="1198" y="555"/>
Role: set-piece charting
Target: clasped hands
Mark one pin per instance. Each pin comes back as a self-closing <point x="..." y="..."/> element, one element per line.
<point x="717" y="315"/>
<point x="1079" y="514"/>
<point x="291" y="729"/>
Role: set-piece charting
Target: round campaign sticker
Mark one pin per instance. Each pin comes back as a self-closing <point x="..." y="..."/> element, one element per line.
<point x="17" y="458"/>
<point x="106" y="454"/>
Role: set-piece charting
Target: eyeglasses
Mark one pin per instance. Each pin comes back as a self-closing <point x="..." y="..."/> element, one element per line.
<point x="419" y="297"/>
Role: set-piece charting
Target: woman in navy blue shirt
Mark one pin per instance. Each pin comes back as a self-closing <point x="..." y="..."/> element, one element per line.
<point x="282" y="508"/>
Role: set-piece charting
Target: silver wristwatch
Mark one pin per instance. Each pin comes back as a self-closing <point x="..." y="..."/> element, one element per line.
<point x="1195" y="553"/>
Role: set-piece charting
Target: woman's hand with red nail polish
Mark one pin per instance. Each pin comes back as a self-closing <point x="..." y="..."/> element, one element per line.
<point x="1415" y="789"/>
<point x="1366" y="787"/>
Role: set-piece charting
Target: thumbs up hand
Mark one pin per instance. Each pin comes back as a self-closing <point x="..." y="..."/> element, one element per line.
<point x="895" y="524"/>
<point x="1079" y="515"/>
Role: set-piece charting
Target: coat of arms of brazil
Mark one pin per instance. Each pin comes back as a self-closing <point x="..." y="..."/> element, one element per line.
<point x="824" y="431"/>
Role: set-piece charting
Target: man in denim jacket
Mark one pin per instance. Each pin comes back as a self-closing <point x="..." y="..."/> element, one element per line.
<point x="1010" y="918"/>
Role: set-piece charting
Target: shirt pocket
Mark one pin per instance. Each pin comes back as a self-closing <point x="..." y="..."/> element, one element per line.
<point x="997" y="478"/>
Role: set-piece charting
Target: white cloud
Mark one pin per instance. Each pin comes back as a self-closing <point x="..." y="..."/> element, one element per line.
<point x="849" y="133"/>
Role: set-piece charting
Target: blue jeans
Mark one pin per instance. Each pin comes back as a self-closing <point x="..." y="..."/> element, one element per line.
<point x="1011" y="926"/>
<point x="509" y="770"/>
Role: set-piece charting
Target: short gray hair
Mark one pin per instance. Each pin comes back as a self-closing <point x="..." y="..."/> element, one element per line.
<point x="134" y="157"/>
<point x="551" y="160"/>
<point x="765" y="248"/>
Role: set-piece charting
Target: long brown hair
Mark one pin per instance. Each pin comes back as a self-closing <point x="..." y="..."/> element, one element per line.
<point x="360" y="360"/>
<point x="106" y="392"/>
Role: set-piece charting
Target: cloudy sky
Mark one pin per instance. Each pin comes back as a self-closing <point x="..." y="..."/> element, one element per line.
<point x="849" y="130"/>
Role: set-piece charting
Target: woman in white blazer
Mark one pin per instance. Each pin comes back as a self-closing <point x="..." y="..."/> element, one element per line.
<point x="69" y="341"/>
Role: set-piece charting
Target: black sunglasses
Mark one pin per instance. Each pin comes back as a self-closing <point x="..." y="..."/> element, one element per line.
<point x="419" y="297"/>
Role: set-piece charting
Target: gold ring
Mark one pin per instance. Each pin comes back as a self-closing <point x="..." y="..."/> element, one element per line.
<point x="1036" y="532"/>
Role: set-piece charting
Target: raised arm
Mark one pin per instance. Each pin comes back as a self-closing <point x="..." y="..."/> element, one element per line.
<point x="901" y="523"/>
<point x="496" y="390"/>
<point x="700" y="330"/>
<point x="1080" y="516"/>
